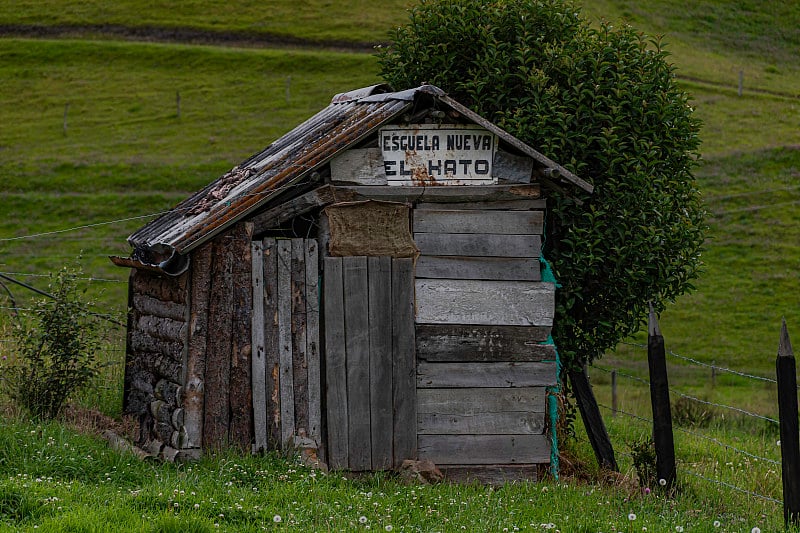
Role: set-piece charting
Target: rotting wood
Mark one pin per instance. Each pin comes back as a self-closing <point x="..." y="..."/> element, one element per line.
<point x="313" y="355"/>
<point x="218" y="356"/>
<point x="194" y="381"/>
<point x="494" y="475"/>
<point x="141" y="342"/>
<point x="380" y="360"/>
<point x="295" y="207"/>
<point x="258" y="361"/>
<point x="479" y="245"/>
<point x="439" y="193"/>
<point x="484" y="449"/>
<point x="404" y="397"/>
<point x="480" y="400"/>
<point x="299" y="338"/>
<point x="476" y="221"/>
<point x="511" y="303"/>
<point x="148" y="305"/>
<point x="495" y="423"/>
<point x="356" y="315"/>
<point x="162" y="328"/>
<point x="162" y="288"/>
<point x="284" y="309"/>
<point x="271" y="343"/>
<point x="362" y="165"/>
<point x="488" y="268"/>
<point x="505" y="374"/>
<point x="241" y="400"/>
<point x="483" y="343"/>
<point x="335" y="364"/>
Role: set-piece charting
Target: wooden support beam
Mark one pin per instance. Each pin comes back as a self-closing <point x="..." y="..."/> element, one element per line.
<point x="590" y="413"/>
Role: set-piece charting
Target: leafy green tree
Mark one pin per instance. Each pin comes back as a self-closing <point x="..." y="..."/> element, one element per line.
<point x="604" y="103"/>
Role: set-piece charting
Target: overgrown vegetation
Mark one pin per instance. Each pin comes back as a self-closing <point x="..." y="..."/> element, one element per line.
<point x="55" y="349"/>
<point x="605" y="104"/>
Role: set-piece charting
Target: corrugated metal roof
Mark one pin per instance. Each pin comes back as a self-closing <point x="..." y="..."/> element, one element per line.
<point x="285" y="163"/>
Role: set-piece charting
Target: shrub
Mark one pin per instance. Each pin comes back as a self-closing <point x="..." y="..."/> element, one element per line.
<point x="55" y="344"/>
<point x="643" y="452"/>
<point x="602" y="102"/>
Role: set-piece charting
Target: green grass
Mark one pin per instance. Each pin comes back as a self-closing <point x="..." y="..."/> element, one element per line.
<point x="54" y="479"/>
<point x="315" y="20"/>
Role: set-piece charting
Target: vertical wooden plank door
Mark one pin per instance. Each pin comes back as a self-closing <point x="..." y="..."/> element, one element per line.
<point x="286" y="359"/>
<point x="369" y="362"/>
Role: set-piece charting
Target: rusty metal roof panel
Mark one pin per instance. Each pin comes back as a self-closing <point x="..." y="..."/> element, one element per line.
<point x="260" y="178"/>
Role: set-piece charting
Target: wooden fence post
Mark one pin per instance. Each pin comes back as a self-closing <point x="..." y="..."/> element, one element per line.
<point x="790" y="441"/>
<point x="659" y="398"/>
<point x="590" y="413"/>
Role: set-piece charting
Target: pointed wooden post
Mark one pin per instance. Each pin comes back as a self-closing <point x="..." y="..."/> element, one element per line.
<point x="590" y="413"/>
<point x="659" y="398"/>
<point x="790" y="441"/>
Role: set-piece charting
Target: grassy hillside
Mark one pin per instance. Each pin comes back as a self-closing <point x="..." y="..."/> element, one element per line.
<point x="124" y="150"/>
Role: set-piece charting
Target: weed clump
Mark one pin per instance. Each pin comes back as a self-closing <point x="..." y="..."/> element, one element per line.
<point x="55" y="343"/>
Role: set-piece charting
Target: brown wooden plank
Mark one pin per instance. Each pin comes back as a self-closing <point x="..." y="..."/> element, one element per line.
<point x="380" y="360"/>
<point x="216" y="425"/>
<point x="504" y="374"/>
<point x="241" y="400"/>
<point x="484" y="449"/>
<point x="480" y="400"/>
<point x="489" y="268"/>
<point x="299" y="358"/>
<point x="271" y="344"/>
<point x="285" y="342"/>
<point x="148" y="305"/>
<point x="162" y="328"/>
<point x="356" y="314"/>
<point x="312" y="341"/>
<point x="483" y="343"/>
<point x="363" y="166"/>
<point x="272" y="218"/>
<point x="404" y="397"/>
<point x="502" y="423"/>
<point x="485" y="245"/>
<point x="463" y="301"/>
<point x="439" y="193"/>
<point x="335" y="365"/>
<point x="476" y="221"/>
<point x="194" y="381"/>
<point x="259" y="360"/>
<point x="490" y="474"/>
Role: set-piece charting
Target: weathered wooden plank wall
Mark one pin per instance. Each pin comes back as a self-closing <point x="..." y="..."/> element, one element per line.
<point x="286" y="315"/>
<point x="369" y="341"/>
<point x="482" y="314"/>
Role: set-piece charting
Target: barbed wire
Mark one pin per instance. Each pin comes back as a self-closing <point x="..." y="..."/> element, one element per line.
<point x="31" y="275"/>
<point x="698" y="435"/>
<point x="707" y="365"/>
<point x="690" y="397"/>
<point x="733" y="487"/>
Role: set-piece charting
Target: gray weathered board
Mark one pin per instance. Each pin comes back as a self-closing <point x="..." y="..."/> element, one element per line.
<point x="369" y="339"/>
<point x="467" y="267"/>
<point x="484" y="449"/>
<point x="363" y="166"/>
<point x="285" y="336"/>
<point x="481" y="400"/>
<point x="504" y="374"/>
<point x="478" y="245"/>
<point x="483" y="343"/>
<point x="461" y="301"/>
<point x="502" y="423"/>
<point x="478" y="221"/>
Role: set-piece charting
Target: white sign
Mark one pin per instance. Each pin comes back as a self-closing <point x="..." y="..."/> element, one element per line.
<point x="430" y="154"/>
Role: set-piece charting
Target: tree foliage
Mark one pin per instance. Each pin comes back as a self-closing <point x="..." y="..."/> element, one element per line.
<point x="602" y="102"/>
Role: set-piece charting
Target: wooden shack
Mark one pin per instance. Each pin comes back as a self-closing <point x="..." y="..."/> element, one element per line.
<point x="367" y="288"/>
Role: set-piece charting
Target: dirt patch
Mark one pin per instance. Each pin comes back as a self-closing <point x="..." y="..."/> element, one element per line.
<point x="183" y="35"/>
<point x="92" y="421"/>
